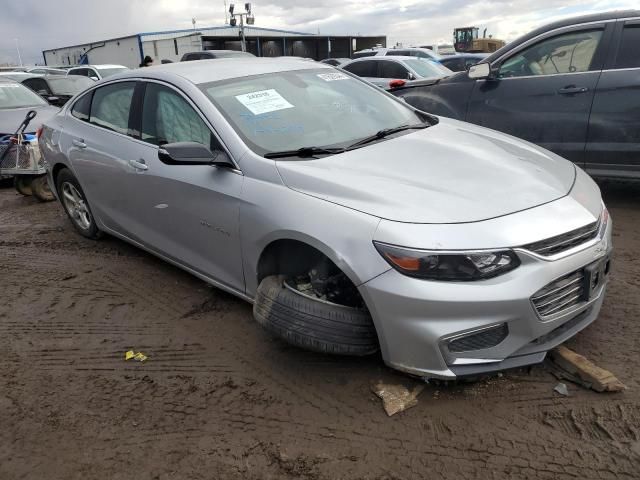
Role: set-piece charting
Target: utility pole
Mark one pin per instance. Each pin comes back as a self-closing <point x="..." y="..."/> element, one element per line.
<point x="226" y="20"/>
<point x="246" y="14"/>
<point x="18" y="49"/>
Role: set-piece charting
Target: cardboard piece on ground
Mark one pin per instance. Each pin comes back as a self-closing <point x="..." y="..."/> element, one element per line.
<point x="601" y="380"/>
<point x="396" y="398"/>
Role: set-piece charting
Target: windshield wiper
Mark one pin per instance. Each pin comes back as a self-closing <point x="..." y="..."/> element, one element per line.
<point x="386" y="132"/>
<point x="305" y="152"/>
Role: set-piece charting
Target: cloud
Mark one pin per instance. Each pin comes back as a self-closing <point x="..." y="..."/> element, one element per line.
<point x="68" y="22"/>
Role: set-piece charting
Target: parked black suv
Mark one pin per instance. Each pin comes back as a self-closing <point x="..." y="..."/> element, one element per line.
<point x="209" y="54"/>
<point x="572" y="86"/>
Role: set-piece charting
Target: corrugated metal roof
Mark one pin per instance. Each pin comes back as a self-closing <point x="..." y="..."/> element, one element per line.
<point x="226" y="31"/>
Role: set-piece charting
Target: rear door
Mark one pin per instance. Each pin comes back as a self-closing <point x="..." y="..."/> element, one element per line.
<point x="96" y="140"/>
<point x="613" y="146"/>
<point x="543" y="90"/>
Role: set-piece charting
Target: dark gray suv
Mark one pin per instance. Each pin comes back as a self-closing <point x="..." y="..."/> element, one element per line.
<point x="571" y="87"/>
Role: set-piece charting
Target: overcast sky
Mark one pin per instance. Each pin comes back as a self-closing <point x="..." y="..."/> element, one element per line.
<point x="66" y="22"/>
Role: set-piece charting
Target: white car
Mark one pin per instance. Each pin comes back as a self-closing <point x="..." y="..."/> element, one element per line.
<point x="402" y="52"/>
<point x="97" y="72"/>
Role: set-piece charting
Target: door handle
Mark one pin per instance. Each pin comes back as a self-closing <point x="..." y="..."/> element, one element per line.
<point x="79" y="143"/>
<point x="139" y="164"/>
<point x="572" y="90"/>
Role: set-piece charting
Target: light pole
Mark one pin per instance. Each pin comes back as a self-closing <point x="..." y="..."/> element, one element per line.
<point x="246" y="14"/>
<point x="18" y="49"/>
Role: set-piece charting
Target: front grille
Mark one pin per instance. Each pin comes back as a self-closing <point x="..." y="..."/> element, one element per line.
<point x="487" y="338"/>
<point x="566" y="241"/>
<point x="560" y="295"/>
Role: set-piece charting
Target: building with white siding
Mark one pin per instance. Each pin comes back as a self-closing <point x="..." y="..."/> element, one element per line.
<point x="171" y="45"/>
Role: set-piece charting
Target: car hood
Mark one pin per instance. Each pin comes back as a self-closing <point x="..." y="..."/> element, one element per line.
<point x="11" y="118"/>
<point x="452" y="172"/>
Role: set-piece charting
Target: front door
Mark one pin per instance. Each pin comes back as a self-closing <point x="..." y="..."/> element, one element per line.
<point x="543" y="92"/>
<point x="189" y="213"/>
<point x="613" y="146"/>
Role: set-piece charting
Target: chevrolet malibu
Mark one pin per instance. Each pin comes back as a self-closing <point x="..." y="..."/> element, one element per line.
<point x="352" y="221"/>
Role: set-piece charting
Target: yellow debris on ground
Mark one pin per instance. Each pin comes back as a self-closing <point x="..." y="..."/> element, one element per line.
<point x="141" y="357"/>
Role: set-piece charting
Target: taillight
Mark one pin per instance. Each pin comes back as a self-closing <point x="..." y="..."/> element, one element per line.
<point x="396" y="83"/>
<point x="39" y="133"/>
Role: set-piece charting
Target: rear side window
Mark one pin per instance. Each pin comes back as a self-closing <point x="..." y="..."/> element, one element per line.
<point x="82" y="108"/>
<point x="38" y="85"/>
<point x="168" y="118"/>
<point x="393" y="70"/>
<point x="80" y="71"/>
<point x="628" y="56"/>
<point x="111" y="105"/>
<point x="363" y="69"/>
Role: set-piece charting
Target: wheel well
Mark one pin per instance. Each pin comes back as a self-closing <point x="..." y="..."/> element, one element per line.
<point x="287" y="257"/>
<point x="310" y="269"/>
<point x="55" y="172"/>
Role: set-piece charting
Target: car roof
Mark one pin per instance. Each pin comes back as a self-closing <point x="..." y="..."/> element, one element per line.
<point x="384" y="58"/>
<point x="98" y="66"/>
<point x="19" y="76"/>
<point x="566" y="22"/>
<point x="205" y="71"/>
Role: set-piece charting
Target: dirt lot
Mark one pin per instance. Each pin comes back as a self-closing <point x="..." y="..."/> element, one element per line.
<point x="219" y="398"/>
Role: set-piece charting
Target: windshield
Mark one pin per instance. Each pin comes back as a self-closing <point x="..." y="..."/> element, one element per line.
<point x="304" y="108"/>
<point x="107" y="72"/>
<point x="15" y="95"/>
<point x="69" y="86"/>
<point x="427" y="68"/>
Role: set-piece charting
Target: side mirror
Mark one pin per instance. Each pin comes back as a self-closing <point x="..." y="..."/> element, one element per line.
<point x="53" y="100"/>
<point x="193" y="153"/>
<point x="480" y="71"/>
<point x="94" y="78"/>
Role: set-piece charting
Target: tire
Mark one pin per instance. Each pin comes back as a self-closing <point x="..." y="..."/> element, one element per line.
<point x="40" y="189"/>
<point x="313" y="324"/>
<point x="81" y="218"/>
<point x="22" y="184"/>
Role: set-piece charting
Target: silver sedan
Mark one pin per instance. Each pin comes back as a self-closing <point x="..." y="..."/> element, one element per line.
<point x="350" y="220"/>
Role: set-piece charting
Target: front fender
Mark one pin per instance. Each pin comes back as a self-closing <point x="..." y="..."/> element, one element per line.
<point x="274" y="212"/>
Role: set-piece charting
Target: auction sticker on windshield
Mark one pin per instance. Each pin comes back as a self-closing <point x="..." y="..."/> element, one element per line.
<point x="263" y="101"/>
<point x="330" y="77"/>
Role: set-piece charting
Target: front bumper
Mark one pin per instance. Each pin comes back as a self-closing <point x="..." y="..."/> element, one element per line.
<point x="415" y="318"/>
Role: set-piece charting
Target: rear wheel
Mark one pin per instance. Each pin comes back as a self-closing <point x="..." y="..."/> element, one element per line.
<point x="76" y="205"/>
<point x="290" y="308"/>
<point x="22" y="184"/>
<point x="40" y="189"/>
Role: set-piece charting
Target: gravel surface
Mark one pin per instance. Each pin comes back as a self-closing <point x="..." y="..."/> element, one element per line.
<point x="220" y="398"/>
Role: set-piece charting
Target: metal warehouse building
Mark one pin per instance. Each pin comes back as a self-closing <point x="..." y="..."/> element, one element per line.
<point x="171" y="45"/>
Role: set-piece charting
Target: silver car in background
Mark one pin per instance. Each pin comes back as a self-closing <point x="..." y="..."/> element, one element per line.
<point x="350" y="220"/>
<point x="381" y="71"/>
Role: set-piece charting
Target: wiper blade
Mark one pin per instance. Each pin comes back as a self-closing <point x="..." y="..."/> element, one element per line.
<point x="386" y="132"/>
<point x="305" y="152"/>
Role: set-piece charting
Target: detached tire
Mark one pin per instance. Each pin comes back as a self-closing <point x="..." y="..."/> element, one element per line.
<point x="313" y="324"/>
<point x="22" y="184"/>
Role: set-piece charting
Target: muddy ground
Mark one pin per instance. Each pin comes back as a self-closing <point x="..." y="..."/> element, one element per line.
<point x="220" y="398"/>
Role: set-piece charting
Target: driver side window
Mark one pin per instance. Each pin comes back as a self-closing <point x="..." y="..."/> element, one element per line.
<point x="169" y="118"/>
<point x="567" y="53"/>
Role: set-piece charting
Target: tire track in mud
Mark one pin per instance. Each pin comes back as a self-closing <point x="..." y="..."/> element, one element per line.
<point x="219" y="395"/>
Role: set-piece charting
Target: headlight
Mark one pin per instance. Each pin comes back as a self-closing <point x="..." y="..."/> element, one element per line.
<point x="450" y="266"/>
